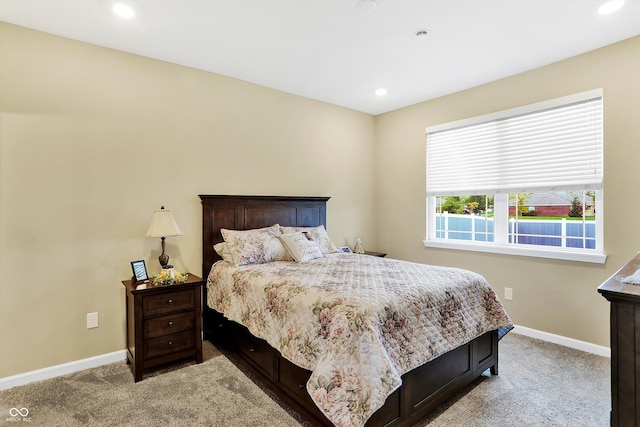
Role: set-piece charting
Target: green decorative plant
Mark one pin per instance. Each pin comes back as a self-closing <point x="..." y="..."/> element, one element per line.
<point x="169" y="277"/>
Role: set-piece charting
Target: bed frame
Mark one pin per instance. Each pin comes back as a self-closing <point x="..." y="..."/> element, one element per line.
<point x="423" y="388"/>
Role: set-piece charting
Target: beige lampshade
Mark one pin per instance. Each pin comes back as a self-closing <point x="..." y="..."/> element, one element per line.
<point x="163" y="224"/>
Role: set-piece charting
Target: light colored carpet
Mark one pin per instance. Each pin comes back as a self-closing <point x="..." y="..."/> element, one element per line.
<point x="540" y="384"/>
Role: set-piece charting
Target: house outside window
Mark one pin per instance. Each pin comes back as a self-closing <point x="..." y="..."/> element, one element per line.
<point x="526" y="181"/>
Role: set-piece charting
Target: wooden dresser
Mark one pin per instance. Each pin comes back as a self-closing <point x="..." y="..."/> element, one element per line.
<point x="164" y="323"/>
<point x="625" y="345"/>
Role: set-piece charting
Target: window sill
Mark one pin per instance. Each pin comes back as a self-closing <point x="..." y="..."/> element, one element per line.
<point x="567" y="255"/>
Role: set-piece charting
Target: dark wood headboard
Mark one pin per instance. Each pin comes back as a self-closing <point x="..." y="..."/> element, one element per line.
<point x="247" y="212"/>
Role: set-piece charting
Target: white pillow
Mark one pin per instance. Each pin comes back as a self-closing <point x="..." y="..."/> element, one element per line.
<point x="318" y="234"/>
<point x="256" y="246"/>
<point x="223" y="250"/>
<point x="300" y="247"/>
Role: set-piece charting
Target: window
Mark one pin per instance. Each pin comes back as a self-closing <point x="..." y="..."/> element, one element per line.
<point x="525" y="181"/>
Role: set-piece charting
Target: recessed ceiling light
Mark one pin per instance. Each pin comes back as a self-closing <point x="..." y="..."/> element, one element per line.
<point x="610" y="7"/>
<point x="123" y="10"/>
<point x="381" y="92"/>
<point x="366" y="6"/>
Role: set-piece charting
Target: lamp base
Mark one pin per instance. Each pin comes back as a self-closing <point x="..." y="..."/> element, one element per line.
<point x="163" y="258"/>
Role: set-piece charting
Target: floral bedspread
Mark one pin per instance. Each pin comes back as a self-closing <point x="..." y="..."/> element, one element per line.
<point x="357" y="322"/>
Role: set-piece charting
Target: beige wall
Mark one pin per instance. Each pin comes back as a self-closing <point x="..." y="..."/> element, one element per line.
<point x="93" y="140"/>
<point x="559" y="297"/>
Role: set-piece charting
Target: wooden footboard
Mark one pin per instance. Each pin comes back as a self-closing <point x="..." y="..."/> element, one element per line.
<point x="422" y="390"/>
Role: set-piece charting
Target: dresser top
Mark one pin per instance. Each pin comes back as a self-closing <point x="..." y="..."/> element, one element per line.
<point x="615" y="288"/>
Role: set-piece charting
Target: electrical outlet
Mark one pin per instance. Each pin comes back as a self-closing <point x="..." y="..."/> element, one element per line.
<point x="92" y="320"/>
<point x="508" y="294"/>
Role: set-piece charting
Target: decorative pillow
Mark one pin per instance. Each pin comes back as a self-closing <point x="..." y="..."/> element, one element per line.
<point x="256" y="246"/>
<point x="223" y="250"/>
<point x="318" y="234"/>
<point x="300" y="247"/>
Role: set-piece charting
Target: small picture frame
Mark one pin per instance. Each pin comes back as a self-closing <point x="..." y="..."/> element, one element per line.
<point x="139" y="271"/>
<point x="346" y="249"/>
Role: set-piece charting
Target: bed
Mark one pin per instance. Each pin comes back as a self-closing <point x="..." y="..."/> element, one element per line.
<point x="390" y="396"/>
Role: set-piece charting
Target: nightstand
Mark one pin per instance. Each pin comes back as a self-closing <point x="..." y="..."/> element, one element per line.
<point x="380" y="254"/>
<point x="164" y="323"/>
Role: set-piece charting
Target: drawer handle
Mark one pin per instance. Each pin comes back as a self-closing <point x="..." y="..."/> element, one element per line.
<point x="170" y="301"/>
<point x="170" y="323"/>
<point x="252" y="350"/>
<point x="170" y="343"/>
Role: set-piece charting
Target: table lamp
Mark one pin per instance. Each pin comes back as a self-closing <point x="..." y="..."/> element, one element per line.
<point x="163" y="225"/>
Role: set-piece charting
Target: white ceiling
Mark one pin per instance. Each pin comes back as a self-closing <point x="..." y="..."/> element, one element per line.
<point x="333" y="51"/>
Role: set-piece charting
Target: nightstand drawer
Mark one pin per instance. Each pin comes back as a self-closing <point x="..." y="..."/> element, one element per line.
<point x="169" y="324"/>
<point x="167" y="303"/>
<point x="168" y="344"/>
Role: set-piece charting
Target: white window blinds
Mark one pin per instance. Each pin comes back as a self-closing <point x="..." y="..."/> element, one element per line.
<point x="549" y="146"/>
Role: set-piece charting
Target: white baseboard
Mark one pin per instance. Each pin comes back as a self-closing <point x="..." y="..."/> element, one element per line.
<point x="63" y="369"/>
<point x="567" y="342"/>
<point x="117" y="356"/>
